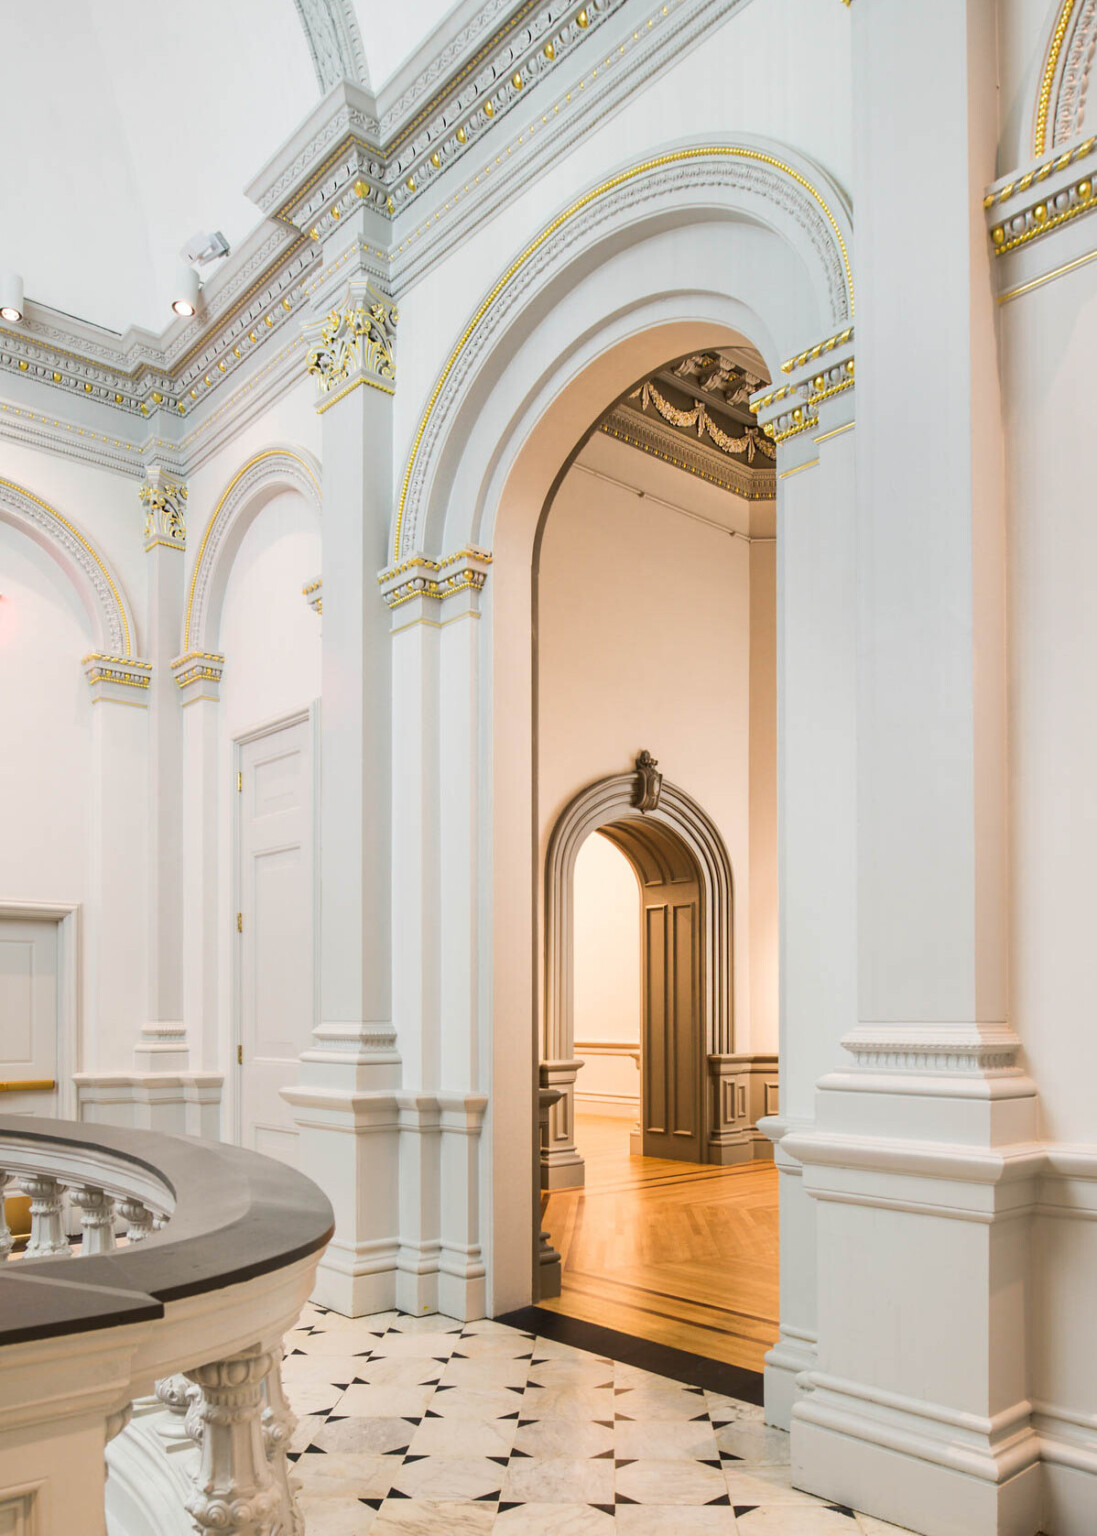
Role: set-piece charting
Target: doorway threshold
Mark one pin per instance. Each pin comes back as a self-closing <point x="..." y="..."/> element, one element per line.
<point x="660" y="1359"/>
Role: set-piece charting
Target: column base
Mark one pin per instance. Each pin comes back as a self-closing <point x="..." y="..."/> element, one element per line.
<point x="567" y="1173"/>
<point x="911" y="1492"/>
<point x="176" y="1103"/>
<point x="785" y="1364"/>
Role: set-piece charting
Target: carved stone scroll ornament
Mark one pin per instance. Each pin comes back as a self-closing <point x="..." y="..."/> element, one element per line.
<point x="357" y="340"/>
<point x="649" y="784"/>
<point x="165" y="501"/>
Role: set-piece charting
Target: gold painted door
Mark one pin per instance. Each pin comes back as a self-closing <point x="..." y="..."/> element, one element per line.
<point x="671" y="1045"/>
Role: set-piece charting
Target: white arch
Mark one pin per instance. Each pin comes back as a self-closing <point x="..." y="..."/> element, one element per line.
<point x="263" y="476"/>
<point x="598" y="805"/>
<point x="99" y="587"/>
<point x="789" y="245"/>
<point x="1060" y="112"/>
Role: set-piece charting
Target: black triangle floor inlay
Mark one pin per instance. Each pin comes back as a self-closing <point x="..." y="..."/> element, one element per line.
<point x="373" y="1503"/>
<point x="842" y="1509"/>
<point x="607" y="1509"/>
<point x="744" y="1509"/>
<point x="723" y="1499"/>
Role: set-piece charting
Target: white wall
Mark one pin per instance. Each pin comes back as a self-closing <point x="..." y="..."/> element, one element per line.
<point x="271" y="643"/>
<point x="45" y="710"/>
<point x="644" y="637"/>
<point x="606" y="953"/>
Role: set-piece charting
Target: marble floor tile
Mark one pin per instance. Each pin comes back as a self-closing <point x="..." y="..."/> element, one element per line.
<point x="558" y="1480"/>
<point x="589" y="1373"/>
<point x="485" y="1373"/>
<point x="564" y="1437"/>
<point x="553" y="1349"/>
<point x="675" y="1520"/>
<point x="506" y="1345"/>
<point x="307" y="1425"/>
<point x="422" y="1344"/>
<point x="755" y="1443"/>
<point x="336" y="1516"/>
<point x="318" y="1370"/>
<point x="364" y="1437"/>
<point x="475" y="1403"/>
<point x="461" y="1436"/>
<point x="432" y="1322"/>
<point x="750" y="1484"/>
<point x="400" y="1371"/>
<point x="449" y="1477"/>
<point x="552" y="1520"/>
<point x="564" y="1403"/>
<point x="309" y="1398"/>
<point x="676" y="1440"/>
<point x="655" y="1404"/>
<point x="783" y="1521"/>
<point x="427" y="1517"/>
<point x="729" y="1410"/>
<point x="384" y="1402"/>
<point x="331" y="1475"/>
<point x="669" y="1482"/>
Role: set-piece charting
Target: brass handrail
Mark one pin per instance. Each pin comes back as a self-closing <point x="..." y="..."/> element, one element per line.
<point x="30" y="1085"/>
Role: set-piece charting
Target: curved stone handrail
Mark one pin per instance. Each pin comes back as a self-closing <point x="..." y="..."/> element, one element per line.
<point x="236" y="1215"/>
<point x="221" y="1254"/>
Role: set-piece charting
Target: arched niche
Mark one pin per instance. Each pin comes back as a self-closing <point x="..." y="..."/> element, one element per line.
<point x="97" y="585"/>
<point x="265" y="475"/>
<point x="670" y="843"/>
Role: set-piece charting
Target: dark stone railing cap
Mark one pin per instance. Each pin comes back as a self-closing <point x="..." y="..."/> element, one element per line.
<point x="237" y="1215"/>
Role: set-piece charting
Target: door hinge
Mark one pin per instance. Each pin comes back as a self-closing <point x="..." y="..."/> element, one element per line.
<point x="239" y="922"/>
<point x="239" y="781"/>
<point x="239" y="1055"/>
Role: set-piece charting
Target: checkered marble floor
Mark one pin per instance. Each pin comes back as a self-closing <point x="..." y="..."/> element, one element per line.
<point x="420" y="1426"/>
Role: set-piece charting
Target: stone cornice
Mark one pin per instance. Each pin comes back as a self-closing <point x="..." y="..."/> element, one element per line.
<point x="815" y="376"/>
<point x="757" y="483"/>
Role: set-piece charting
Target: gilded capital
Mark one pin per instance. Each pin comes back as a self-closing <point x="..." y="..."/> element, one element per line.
<point x="354" y="345"/>
<point x="165" y="501"/>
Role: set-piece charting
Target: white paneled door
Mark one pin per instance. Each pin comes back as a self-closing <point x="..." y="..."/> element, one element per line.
<point x="29" y="999"/>
<point x="275" y="995"/>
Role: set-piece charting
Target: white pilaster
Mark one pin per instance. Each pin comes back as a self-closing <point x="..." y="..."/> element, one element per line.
<point x="197" y="678"/>
<point x="345" y="1103"/>
<point x="920" y="1160"/>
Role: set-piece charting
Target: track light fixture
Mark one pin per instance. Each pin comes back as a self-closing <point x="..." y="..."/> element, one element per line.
<point x="11" y="297"/>
<point x="198" y="251"/>
<point x="185" y="302"/>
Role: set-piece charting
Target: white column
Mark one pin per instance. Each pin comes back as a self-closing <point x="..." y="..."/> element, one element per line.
<point x="116" y="949"/>
<point x="345" y="1102"/>
<point x="197" y="677"/>
<point x="163" y="1047"/>
<point x="920" y="1161"/>
<point x="813" y="423"/>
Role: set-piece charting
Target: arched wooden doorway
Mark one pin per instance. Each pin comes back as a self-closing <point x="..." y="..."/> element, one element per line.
<point x="694" y="1106"/>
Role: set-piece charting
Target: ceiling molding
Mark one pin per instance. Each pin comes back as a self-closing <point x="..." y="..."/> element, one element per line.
<point x="335" y="43"/>
<point x="84" y="391"/>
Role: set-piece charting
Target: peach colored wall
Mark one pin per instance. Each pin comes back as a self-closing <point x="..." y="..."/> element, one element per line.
<point x="643" y="640"/>
<point x="607" y="975"/>
<point x="763" y="795"/>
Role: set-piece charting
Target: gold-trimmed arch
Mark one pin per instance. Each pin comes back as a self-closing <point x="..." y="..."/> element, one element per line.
<point x="99" y="587"/>
<point x="262" y="476"/>
<point x="746" y="152"/>
<point x="1060" y="105"/>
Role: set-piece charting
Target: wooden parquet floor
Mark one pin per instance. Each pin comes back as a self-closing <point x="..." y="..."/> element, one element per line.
<point x="683" y="1254"/>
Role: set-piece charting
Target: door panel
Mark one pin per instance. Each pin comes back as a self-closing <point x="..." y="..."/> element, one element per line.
<point x="275" y="942"/>
<point x="672" y="1044"/>
<point x="29" y="995"/>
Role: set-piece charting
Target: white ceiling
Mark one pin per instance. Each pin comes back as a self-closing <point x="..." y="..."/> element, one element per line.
<point x="129" y="126"/>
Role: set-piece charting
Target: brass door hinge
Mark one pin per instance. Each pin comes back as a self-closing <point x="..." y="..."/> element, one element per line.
<point x="239" y="922"/>
<point x="239" y="1055"/>
<point x="239" y="782"/>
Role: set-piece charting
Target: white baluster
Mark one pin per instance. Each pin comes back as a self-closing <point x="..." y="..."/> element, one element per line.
<point x="177" y="1394"/>
<point x="279" y="1422"/>
<point x="96" y="1217"/>
<point x="159" y="1220"/>
<point x="235" y="1493"/>
<point x="138" y="1218"/>
<point x="47" y="1237"/>
<point x="6" y="1239"/>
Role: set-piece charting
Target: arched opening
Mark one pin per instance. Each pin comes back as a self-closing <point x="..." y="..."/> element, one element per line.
<point x="669" y="496"/>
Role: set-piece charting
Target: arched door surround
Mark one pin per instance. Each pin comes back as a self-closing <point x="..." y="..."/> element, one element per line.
<point x="667" y="837"/>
